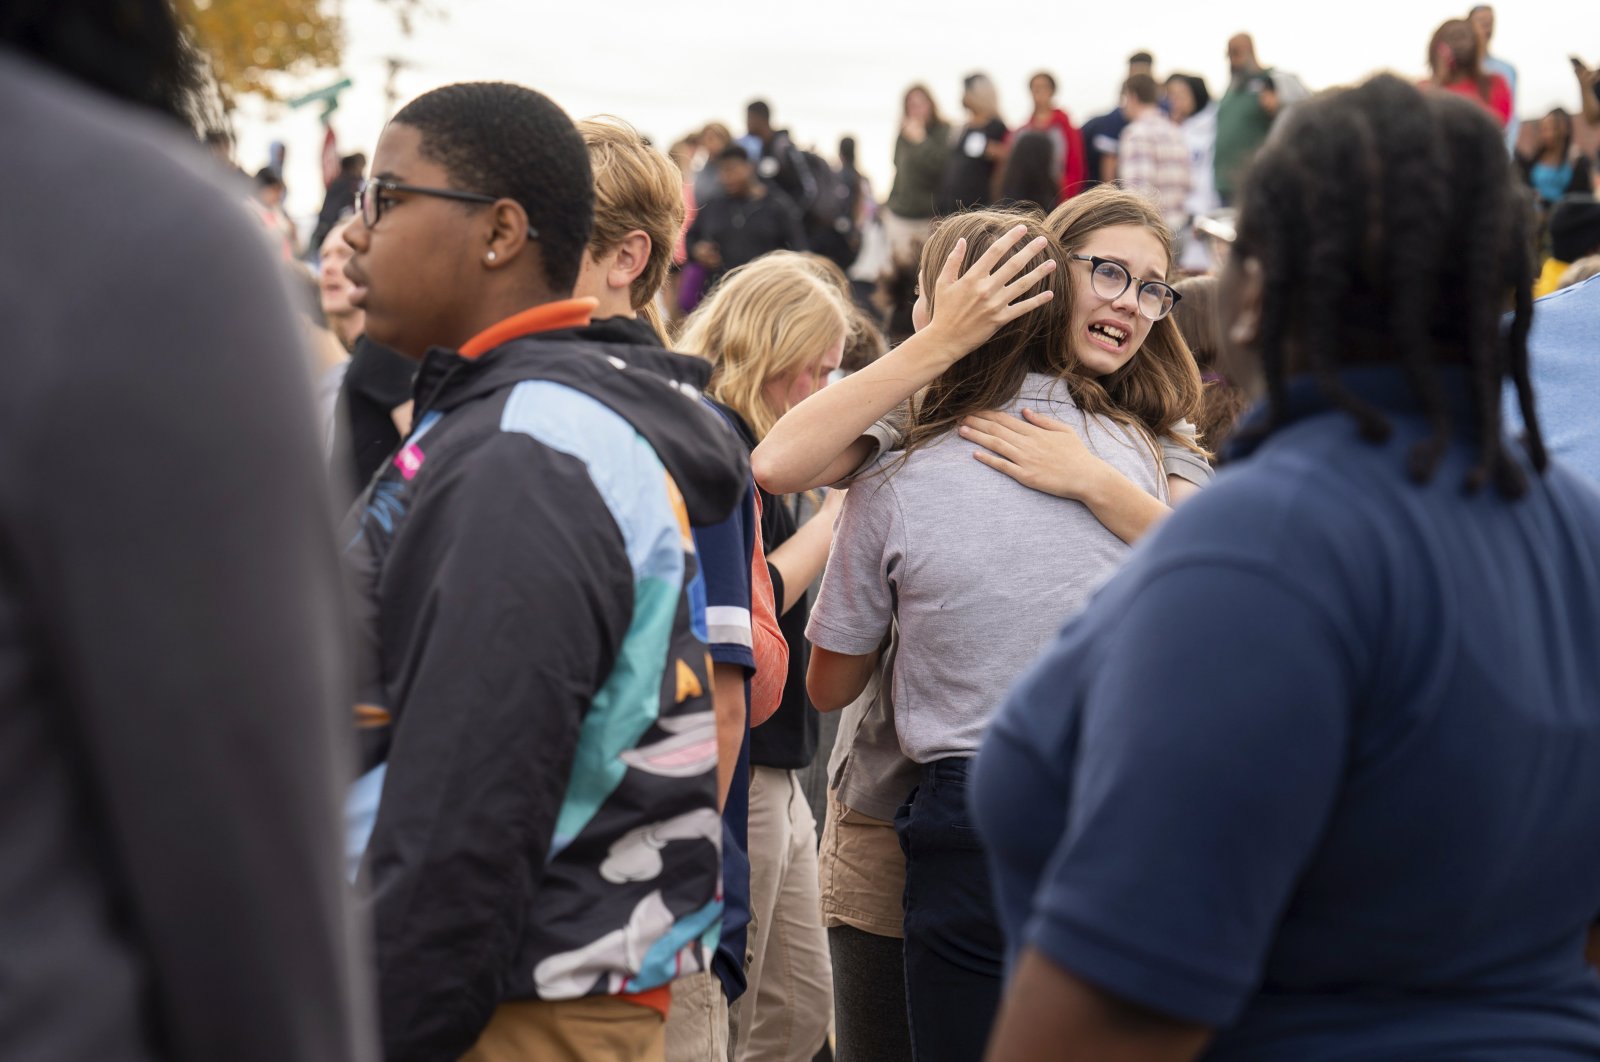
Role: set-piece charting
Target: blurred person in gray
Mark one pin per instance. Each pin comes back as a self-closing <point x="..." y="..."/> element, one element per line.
<point x="173" y="712"/>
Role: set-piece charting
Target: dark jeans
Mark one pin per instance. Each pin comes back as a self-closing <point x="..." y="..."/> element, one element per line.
<point x="953" y="948"/>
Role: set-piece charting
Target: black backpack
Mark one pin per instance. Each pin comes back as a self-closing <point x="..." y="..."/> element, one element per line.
<point x="830" y="219"/>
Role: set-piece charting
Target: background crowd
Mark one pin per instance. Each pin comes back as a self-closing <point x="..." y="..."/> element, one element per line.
<point x="764" y="614"/>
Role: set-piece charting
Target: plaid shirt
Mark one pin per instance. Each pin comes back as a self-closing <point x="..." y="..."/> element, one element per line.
<point x="1153" y="158"/>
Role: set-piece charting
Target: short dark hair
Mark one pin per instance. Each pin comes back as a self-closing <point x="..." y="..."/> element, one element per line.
<point x="1574" y="228"/>
<point x="1049" y="78"/>
<point x="267" y="177"/>
<point x="1142" y="57"/>
<point x="733" y="153"/>
<point x="500" y="139"/>
<point x="1141" y="87"/>
<point x="1029" y="177"/>
<point x="353" y="164"/>
<point x="847" y="150"/>
<point x="759" y="109"/>
<point x="1197" y="88"/>
<point x="134" y="50"/>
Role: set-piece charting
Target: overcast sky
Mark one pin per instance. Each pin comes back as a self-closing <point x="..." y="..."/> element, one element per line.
<point x="840" y="68"/>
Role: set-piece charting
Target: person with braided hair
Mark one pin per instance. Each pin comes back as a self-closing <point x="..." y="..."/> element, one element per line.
<point x="1355" y="817"/>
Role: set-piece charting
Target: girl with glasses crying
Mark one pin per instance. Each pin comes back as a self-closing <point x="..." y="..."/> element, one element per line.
<point x="974" y="570"/>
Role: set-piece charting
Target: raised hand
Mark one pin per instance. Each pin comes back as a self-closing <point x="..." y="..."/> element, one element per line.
<point x="970" y="307"/>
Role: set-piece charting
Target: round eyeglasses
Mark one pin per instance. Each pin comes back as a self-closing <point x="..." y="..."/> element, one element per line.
<point x="1110" y="279"/>
<point x="372" y="197"/>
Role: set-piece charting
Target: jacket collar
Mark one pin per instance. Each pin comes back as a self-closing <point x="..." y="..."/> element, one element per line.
<point x="566" y="313"/>
<point x="658" y="392"/>
<point x="628" y="331"/>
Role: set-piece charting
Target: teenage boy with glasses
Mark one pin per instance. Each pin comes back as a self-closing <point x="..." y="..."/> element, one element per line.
<point x="534" y="682"/>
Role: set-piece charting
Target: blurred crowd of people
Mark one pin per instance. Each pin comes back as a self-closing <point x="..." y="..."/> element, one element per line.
<point x="431" y="665"/>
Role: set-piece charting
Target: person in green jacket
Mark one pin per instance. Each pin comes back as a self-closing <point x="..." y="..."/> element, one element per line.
<point x="1244" y="116"/>
<point x="920" y="152"/>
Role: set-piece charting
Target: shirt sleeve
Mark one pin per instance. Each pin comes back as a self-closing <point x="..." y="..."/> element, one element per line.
<point x="1205" y="773"/>
<point x="885" y="435"/>
<point x="528" y="612"/>
<point x="1183" y="462"/>
<point x="725" y="566"/>
<point x="855" y="603"/>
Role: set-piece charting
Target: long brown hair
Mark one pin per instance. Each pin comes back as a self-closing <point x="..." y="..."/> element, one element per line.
<point x="1461" y="39"/>
<point x="934" y="117"/>
<point x="1160" y="384"/>
<point x="993" y="374"/>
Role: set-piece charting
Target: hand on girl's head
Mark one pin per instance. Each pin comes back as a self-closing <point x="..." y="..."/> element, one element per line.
<point x="969" y="307"/>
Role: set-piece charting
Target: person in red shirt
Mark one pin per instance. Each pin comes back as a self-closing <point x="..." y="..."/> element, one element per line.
<point x="1457" y="66"/>
<point x="1051" y="120"/>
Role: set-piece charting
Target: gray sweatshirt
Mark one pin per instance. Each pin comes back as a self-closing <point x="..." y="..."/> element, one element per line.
<point x="173" y="711"/>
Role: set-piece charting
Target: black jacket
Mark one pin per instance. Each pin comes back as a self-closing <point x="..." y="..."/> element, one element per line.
<point x="377" y="382"/>
<point x="535" y="684"/>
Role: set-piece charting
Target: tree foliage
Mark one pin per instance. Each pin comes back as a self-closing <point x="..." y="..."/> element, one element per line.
<point x="248" y="41"/>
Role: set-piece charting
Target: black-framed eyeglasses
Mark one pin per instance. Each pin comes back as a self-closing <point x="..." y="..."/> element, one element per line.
<point x="370" y="199"/>
<point x="1110" y="279"/>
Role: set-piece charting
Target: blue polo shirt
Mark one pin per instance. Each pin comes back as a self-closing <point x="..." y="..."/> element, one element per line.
<point x="1320" y="767"/>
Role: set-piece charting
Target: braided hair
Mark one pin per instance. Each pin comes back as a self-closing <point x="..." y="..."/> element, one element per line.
<point x="136" y="50"/>
<point x="1388" y="227"/>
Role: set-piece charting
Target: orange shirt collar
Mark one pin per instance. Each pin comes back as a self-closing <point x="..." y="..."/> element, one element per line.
<point x="566" y="313"/>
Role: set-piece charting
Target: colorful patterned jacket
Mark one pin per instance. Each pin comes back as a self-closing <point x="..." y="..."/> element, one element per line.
<point x="538" y="736"/>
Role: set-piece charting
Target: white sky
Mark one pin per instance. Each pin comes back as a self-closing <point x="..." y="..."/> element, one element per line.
<point x="840" y="68"/>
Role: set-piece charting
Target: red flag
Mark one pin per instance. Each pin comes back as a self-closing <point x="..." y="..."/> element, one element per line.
<point x="330" y="158"/>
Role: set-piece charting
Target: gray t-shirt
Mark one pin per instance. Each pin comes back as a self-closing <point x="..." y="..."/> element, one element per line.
<point x="978" y="571"/>
<point x="867" y="769"/>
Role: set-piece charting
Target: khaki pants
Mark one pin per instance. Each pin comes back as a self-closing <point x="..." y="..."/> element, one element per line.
<point x="863" y="872"/>
<point x="785" y="1012"/>
<point x="571" y="1030"/>
<point x="697" y="1027"/>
